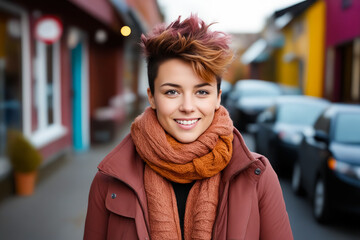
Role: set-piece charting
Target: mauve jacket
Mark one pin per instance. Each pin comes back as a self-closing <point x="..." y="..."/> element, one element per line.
<point x="251" y="204"/>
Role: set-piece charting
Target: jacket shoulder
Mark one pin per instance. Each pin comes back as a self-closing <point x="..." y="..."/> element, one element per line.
<point x="123" y="148"/>
<point x="123" y="163"/>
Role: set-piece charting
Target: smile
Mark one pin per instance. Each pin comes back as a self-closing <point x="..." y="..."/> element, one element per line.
<point x="187" y="122"/>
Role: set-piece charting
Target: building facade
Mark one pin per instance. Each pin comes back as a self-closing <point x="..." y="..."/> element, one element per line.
<point x="342" y="72"/>
<point x="62" y="93"/>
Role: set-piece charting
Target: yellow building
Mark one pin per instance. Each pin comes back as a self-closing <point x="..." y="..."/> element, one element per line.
<point x="300" y="62"/>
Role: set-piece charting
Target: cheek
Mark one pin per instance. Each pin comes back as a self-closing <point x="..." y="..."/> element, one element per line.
<point x="164" y="108"/>
<point x="210" y="106"/>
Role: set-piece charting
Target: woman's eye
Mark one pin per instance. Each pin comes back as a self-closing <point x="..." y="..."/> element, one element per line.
<point x="202" y="92"/>
<point x="171" y="92"/>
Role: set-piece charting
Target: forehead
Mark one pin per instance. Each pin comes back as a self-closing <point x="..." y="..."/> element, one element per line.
<point x="180" y="72"/>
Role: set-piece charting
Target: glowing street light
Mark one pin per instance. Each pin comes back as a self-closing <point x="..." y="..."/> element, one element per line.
<point x="125" y="31"/>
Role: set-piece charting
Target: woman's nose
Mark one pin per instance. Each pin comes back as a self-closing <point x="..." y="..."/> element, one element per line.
<point x="187" y="104"/>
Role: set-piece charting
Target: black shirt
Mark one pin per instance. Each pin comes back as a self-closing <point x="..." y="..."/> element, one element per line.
<point x="181" y="193"/>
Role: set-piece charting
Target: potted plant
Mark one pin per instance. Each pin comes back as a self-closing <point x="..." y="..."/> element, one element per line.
<point x="25" y="160"/>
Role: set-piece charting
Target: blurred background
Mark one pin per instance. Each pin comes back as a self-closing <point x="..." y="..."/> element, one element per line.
<point x="72" y="79"/>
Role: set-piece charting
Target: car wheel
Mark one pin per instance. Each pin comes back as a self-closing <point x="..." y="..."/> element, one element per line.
<point x="320" y="202"/>
<point x="296" y="180"/>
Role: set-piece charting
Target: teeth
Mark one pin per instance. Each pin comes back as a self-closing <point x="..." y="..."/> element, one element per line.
<point x="184" y="122"/>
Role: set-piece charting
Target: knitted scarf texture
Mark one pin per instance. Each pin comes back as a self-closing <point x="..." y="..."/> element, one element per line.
<point x="169" y="160"/>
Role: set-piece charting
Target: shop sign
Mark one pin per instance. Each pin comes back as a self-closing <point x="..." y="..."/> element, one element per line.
<point x="48" y="29"/>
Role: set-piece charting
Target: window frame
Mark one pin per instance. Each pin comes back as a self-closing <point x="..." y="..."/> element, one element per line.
<point x="45" y="131"/>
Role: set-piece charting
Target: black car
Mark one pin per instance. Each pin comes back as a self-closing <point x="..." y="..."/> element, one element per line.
<point x="280" y="127"/>
<point x="328" y="167"/>
<point x="248" y="98"/>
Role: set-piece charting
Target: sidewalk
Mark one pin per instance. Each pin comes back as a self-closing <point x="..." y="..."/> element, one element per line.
<point x="58" y="207"/>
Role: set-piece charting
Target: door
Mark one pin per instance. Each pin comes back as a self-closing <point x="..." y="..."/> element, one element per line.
<point x="80" y="101"/>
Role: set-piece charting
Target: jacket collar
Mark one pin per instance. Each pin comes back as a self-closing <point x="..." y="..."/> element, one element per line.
<point x="241" y="158"/>
<point x="125" y="164"/>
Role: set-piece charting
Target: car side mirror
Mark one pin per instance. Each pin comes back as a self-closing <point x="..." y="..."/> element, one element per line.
<point x="321" y="136"/>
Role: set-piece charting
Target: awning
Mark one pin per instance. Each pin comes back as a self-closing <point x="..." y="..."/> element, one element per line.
<point x="98" y="9"/>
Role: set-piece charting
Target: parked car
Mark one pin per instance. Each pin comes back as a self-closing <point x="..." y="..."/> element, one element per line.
<point x="328" y="167"/>
<point x="279" y="128"/>
<point x="248" y="98"/>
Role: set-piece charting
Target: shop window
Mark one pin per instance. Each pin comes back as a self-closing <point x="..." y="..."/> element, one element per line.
<point x="346" y="71"/>
<point x="10" y="75"/>
<point x="346" y="4"/>
<point x="46" y="95"/>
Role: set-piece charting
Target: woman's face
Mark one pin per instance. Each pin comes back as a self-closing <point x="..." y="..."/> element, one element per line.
<point x="185" y="104"/>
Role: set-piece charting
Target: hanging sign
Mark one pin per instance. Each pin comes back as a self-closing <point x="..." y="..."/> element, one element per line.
<point x="48" y="29"/>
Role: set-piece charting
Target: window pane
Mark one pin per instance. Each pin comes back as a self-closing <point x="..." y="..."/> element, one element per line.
<point x="347" y="128"/>
<point x="50" y="84"/>
<point x="300" y="113"/>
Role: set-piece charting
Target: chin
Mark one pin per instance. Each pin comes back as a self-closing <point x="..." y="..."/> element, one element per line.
<point x="186" y="139"/>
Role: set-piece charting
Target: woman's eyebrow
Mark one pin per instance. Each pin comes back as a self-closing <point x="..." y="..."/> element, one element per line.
<point x="171" y="85"/>
<point x="178" y="86"/>
<point x="202" y="85"/>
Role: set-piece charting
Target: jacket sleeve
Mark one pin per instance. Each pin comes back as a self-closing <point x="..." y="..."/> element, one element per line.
<point x="97" y="216"/>
<point x="274" y="220"/>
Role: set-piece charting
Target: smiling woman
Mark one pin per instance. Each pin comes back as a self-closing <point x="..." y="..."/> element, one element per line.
<point x="184" y="171"/>
<point x="185" y="104"/>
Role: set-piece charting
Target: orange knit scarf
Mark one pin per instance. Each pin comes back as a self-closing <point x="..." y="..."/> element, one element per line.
<point x="167" y="159"/>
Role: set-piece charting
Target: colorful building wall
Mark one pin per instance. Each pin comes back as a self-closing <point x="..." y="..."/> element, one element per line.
<point x="300" y="61"/>
<point x="343" y="21"/>
<point x="287" y="69"/>
<point x="342" y="79"/>
<point x="314" y="73"/>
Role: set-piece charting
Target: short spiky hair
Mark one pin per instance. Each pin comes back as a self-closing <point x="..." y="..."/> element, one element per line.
<point x="189" y="40"/>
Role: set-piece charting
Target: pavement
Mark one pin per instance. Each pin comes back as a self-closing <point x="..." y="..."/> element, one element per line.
<point x="57" y="209"/>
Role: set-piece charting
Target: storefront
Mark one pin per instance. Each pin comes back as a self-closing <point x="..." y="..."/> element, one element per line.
<point x="14" y="78"/>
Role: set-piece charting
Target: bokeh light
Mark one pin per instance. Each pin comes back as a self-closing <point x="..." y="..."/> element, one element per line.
<point x="125" y="31"/>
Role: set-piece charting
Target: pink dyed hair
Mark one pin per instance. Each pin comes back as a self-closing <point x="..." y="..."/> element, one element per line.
<point x="190" y="40"/>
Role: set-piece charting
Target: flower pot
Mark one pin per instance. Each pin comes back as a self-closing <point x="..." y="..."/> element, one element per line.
<point x="25" y="183"/>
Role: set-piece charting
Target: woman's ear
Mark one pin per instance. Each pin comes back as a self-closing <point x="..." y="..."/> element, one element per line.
<point x="218" y="100"/>
<point x="151" y="99"/>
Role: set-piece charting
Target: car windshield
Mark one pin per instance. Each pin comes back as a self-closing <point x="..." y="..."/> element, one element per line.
<point x="263" y="91"/>
<point x="347" y="128"/>
<point x="299" y="114"/>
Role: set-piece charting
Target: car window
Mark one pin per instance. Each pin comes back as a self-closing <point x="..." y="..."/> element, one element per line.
<point x="259" y="91"/>
<point x="298" y="113"/>
<point x="347" y="128"/>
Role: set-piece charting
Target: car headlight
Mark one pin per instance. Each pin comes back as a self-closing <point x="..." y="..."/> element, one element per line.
<point x="344" y="168"/>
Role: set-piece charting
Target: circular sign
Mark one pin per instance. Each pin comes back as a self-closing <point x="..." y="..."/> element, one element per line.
<point x="48" y="29"/>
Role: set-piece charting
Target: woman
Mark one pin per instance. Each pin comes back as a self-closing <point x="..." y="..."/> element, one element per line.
<point x="184" y="171"/>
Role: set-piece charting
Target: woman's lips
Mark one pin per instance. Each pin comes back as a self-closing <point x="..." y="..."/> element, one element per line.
<point x="187" y="123"/>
